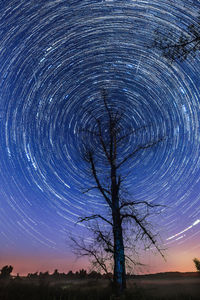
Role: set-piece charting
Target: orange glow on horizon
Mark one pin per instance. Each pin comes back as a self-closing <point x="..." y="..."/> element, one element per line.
<point x="176" y="262"/>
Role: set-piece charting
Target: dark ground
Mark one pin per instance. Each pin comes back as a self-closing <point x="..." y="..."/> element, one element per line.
<point x="140" y="288"/>
<point x="170" y="288"/>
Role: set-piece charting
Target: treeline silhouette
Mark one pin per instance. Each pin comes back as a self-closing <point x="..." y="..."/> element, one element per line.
<point x="89" y="286"/>
<point x="56" y="275"/>
<point x="81" y="274"/>
<point x="56" y="286"/>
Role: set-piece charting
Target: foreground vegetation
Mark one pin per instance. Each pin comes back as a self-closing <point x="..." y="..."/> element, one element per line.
<point x="88" y="286"/>
<point x="138" y="289"/>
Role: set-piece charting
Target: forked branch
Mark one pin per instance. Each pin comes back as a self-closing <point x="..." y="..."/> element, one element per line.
<point x="141" y="147"/>
<point x="131" y="132"/>
<point x="96" y="216"/>
<point x="133" y="203"/>
<point x="81" y="249"/>
<point x="145" y="231"/>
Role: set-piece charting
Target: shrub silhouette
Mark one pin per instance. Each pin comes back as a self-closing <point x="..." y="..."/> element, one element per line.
<point x="197" y="264"/>
<point x="5" y="272"/>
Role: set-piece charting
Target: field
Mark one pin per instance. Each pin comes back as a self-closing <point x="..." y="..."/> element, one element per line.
<point x="176" y="288"/>
<point x="186" y="288"/>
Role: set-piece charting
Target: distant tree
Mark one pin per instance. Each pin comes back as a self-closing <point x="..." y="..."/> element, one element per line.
<point x="82" y="274"/>
<point x="94" y="275"/>
<point x="70" y="274"/>
<point x="103" y="145"/>
<point x="108" y="276"/>
<point x="197" y="264"/>
<point x="175" y="47"/>
<point x="17" y="278"/>
<point x="33" y="275"/>
<point x="44" y="275"/>
<point x="56" y="274"/>
<point x="5" y="272"/>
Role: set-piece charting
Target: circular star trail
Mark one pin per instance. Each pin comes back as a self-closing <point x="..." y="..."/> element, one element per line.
<point x="55" y="57"/>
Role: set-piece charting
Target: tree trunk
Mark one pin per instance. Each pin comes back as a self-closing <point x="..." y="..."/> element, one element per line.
<point x="119" y="257"/>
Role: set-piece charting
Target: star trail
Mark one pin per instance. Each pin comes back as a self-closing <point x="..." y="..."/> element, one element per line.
<point x="55" y="56"/>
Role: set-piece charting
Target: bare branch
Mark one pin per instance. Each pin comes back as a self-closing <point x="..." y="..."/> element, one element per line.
<point x="83" y="250"/>
<point x="104" y="94"/>
<point x="99" y="135"/>
<point x="145" y="231"/>
<point x="134" y="262"/>
<point x="102" y="141"/>
<point x="95" y="187"/>
<point x="117" y="117"/>
<point x="132" y="131"/>
<point x="106" y="240"/>
<point x="101" y="189"/>
<point x="141" y="147"/>
<point x="180" y="44"/>
<point x="94" y="217"/>
<point x="133" y="203"/>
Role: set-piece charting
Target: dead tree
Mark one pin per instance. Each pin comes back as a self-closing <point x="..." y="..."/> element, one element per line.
<point x="107" y="163"/>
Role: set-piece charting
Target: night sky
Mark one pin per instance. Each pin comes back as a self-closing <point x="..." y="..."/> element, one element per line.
<point x="55" y="57"/>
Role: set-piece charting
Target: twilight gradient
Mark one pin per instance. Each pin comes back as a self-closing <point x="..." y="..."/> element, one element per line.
<point x="55" y="56"/>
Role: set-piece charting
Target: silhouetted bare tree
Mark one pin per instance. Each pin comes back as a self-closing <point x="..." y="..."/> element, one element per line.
<point x="125" y="218"/>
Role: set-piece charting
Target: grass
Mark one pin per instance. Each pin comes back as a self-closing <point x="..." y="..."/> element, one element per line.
<point x="92" y="290"/>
